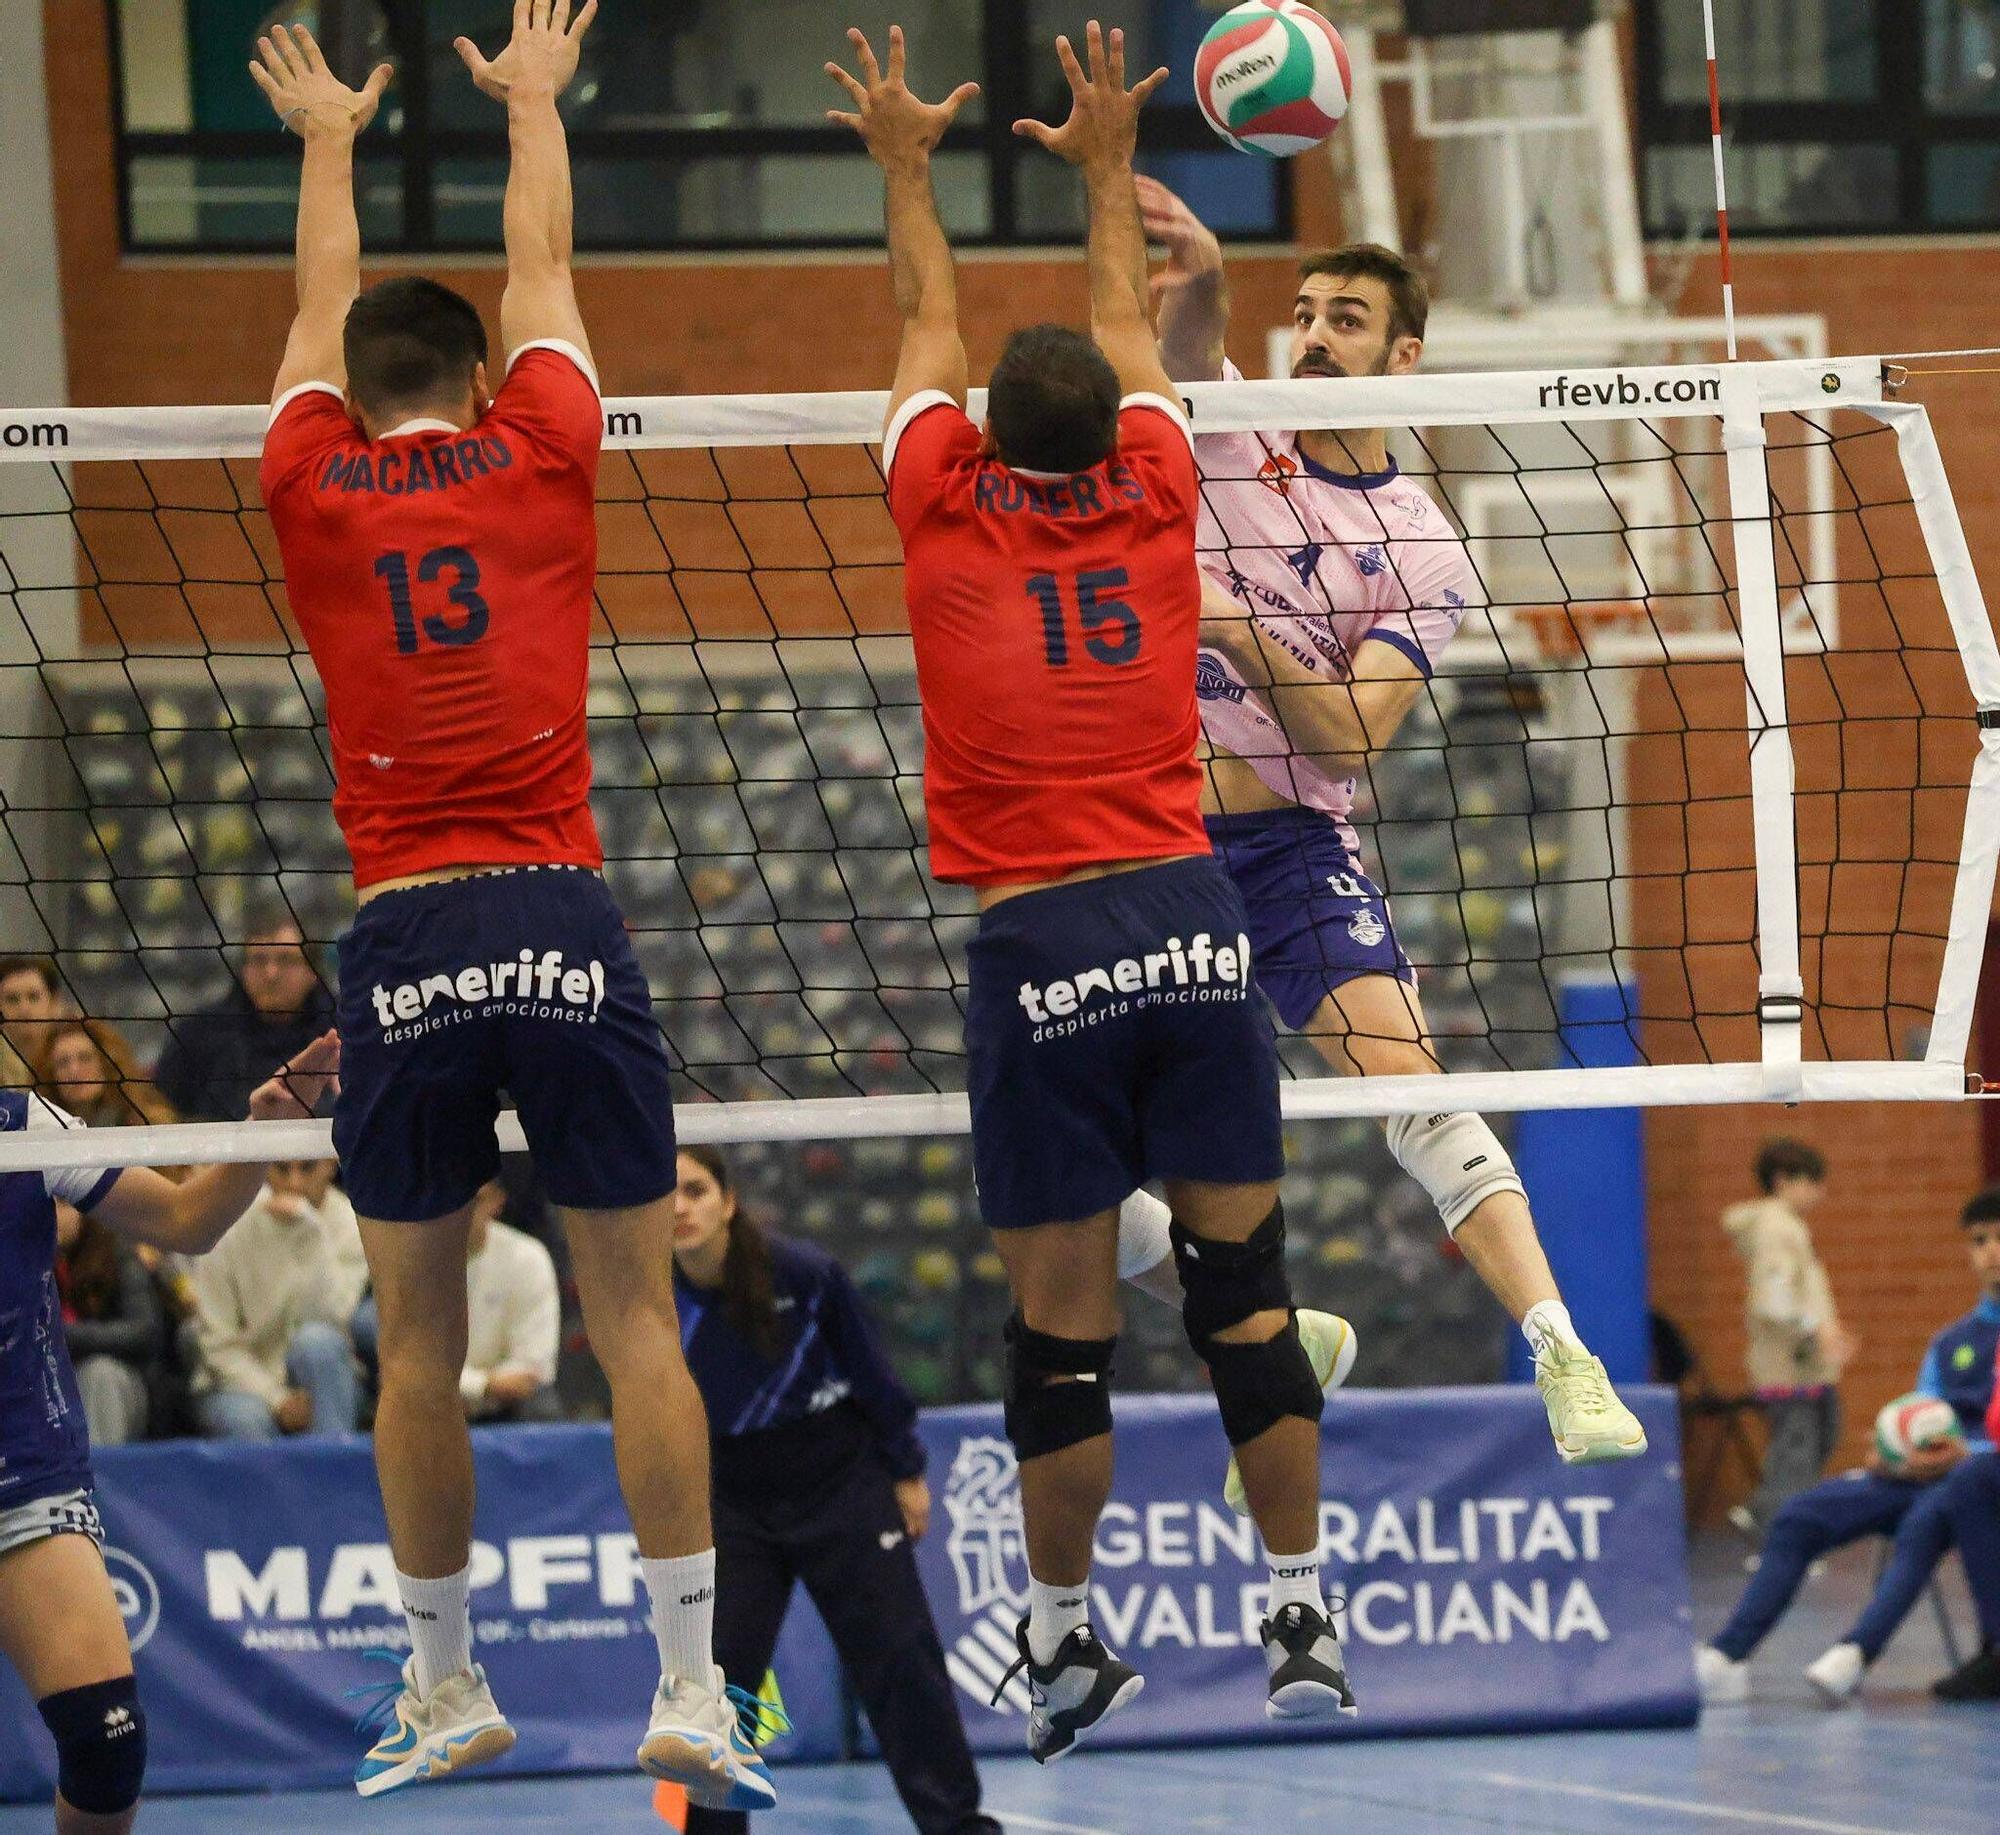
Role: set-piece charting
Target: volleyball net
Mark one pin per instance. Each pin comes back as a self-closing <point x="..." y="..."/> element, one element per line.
<point x="1718" y="730"/>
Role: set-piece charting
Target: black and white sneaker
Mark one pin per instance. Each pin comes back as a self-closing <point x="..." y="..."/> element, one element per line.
<point x="1308" y="1681"/>
<point x="1082" y="1685"/>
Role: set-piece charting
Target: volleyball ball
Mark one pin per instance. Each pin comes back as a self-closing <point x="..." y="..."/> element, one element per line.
<point x="1912" y="1424"/>
<point x="1272" y="77"/>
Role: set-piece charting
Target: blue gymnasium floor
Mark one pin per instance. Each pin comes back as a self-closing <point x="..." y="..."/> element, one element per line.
<point x="1902" y="1764"/>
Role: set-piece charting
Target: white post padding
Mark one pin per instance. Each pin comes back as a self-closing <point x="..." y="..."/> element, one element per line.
<point x="1965" y="606"/>
<point x="1780" y="988"/>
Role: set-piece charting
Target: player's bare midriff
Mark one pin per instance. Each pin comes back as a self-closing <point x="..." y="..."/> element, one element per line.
<point x="1230" y="786"/>
<point x="437" y="876"/>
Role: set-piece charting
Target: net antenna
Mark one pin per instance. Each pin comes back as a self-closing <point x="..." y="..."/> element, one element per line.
<point x="1721" y="184"/>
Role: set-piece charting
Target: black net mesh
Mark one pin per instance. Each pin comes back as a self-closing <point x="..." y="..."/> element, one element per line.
<point x="1569" y="796"/>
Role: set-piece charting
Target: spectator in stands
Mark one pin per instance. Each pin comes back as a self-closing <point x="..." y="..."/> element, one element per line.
<point x="33" y="1008"/>
<point x="1923" y="1505"/>
<point x="114" y="1324"/>
<point x="818" y="1476"/>
<point x="273" y="1302"/>
<point x="515" y="1319"/>
<point x="78" y="1076"/>
<point x="1797" y="1344"/>
<point x="278" y="1006"/>
<point x="30" y="998"/>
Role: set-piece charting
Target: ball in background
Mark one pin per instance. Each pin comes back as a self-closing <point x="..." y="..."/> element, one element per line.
<point x="1910" y="1424"/>
<point x="1272" y="77"/>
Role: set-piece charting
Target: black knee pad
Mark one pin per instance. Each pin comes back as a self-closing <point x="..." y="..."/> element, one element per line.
<point x="100" y="1735"/>
<point x="1044" y="1415"/>
<point x="1224" y="1283"/>
<point x="1259" y="1385"/>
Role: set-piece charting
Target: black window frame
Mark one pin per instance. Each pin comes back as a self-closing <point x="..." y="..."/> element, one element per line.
<point x="1897" y="116"/>
<point x="1009" y="57"/>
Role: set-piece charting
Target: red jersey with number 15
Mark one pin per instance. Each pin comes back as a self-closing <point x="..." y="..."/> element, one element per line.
<point x="443" y="581"/>
<point x="1055" y="623"/>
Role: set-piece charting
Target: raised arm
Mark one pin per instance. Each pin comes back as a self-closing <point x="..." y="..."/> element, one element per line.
<point x="900" y="133"/>
<point x="1322" y="719"/>
<point x="1193" y="292"/>
<point x="538" y="218"/>
<point x="1099" y="137"/>
<point x="192" y="1216"/>
<point x="328" y="116"/>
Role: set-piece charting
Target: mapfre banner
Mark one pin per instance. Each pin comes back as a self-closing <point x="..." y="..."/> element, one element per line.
<point x="1487" y="1586"/>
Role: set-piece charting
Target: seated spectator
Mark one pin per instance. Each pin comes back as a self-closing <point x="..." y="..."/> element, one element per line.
<point x="33" y="1010"/>
<point x="1797" y="1347"/>
<point x="273" y="1302"/>
<point x="30" y="998"/>
<point x="516" y="1319"/>
<point x="114" y="1324"/>
<point x="278" y="1006"/>
<point x="1922" y="1505"/>
<point x="78" y="1076"/>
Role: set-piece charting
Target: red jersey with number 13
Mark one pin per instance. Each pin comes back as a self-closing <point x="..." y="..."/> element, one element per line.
<point x="1055" y="623"/>
<point x="443" y="581"/>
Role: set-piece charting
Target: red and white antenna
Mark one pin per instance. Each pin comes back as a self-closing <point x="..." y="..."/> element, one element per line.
<point x="1721" y="189"/>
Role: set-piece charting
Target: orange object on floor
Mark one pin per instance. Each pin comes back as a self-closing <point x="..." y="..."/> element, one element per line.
<point x="670" y="1804"/>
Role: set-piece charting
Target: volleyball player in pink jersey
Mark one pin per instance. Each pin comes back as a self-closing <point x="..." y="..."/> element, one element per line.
<point x="1334" y="586"/>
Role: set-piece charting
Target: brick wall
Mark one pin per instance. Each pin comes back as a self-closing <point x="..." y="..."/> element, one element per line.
<point x="164" y="331"/>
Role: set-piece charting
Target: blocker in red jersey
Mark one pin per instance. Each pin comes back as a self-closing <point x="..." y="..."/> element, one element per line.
<point x="1055" y="606"/>
<point x="440" y="554"/>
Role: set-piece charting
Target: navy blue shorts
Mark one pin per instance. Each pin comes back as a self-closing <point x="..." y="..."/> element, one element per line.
<point x="1316" y="920"/>
<point x="1113" y="1038"/>
<point x="521" y="981"/>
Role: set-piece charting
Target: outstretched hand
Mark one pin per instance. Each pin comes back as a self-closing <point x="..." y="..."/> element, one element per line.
<point x="891" y="121"/>
<point x="541" y="57"/>
<point x="1103" y="124"/>
<point x="306" y="95"/>
<point x="295" y="1089"/>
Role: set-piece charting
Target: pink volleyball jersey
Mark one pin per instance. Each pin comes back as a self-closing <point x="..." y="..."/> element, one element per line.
<point x="1325" y="563"/>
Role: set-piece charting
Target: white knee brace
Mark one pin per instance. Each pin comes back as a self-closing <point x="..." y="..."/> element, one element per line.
<point x="1458" y="1159"/>
<point x="1143" y="1241"/>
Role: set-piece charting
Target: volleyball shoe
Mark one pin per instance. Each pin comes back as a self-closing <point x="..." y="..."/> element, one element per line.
<point x="456" y="1726"/>
<point x="1082" y="1684"/>
<point x="1590" y="1424"/>
<point x="1331" y="1344"/>
<point x="702" y="1737"/>
<point x="1308" y="1678"/>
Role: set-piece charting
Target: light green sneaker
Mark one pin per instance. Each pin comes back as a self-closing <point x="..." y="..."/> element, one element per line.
<point x="1331" y="1344"/>
<point x="1589" y="1422"/>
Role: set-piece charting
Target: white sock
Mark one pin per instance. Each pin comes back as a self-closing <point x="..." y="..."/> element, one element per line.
<point x="1547" y="1327"/>
<point x="1295" y="1582"/>
<point x="1053" y="1613"/>
<point x="440" y="1615"/>
<point x="683" y="1593"/>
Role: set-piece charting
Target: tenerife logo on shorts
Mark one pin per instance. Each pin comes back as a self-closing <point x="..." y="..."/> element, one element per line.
<point x="1178" y="975"/>
<point x="548" y="988"/>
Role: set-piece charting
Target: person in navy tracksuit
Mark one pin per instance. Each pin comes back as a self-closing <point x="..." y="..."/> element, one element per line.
<point x="819" y="1477"/>
<point x="1940" y="1496"/>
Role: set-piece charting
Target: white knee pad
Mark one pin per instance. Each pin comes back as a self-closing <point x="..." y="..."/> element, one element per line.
<point x="1458" y="1159"/>
<point x="1143" y="1241"/>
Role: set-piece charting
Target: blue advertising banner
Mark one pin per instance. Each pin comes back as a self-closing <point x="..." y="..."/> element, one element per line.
<point x="1487" y="1586"/>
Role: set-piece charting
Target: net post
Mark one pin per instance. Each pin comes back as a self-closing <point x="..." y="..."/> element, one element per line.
<point x="1965" y="605"/>
<point x="1780" y="987"/>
